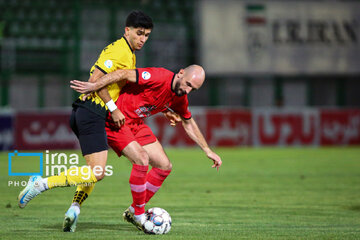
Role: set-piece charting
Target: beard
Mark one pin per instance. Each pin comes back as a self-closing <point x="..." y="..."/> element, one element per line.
<point x="179" y="92"/>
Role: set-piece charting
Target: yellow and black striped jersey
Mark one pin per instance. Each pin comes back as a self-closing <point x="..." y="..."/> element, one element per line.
<point x="117" y="55"/>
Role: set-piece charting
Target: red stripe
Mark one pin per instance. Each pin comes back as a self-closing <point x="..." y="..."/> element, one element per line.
<point x="255" y="20"/>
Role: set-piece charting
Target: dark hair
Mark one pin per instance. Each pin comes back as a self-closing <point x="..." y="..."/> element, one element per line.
<point x="139" y="19"/>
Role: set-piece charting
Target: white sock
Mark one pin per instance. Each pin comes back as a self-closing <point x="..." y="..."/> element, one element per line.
<point x="76" y="207"/>
<point x="42" y="185"/>
<point x="140" y="218"/>
<point x="132" y="210"/>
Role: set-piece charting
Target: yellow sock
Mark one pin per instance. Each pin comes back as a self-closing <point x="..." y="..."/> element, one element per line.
<point x="73" y="176"/>
<point x="82" y="192"/>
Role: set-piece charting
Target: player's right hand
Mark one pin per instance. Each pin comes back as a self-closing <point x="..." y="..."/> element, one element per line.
<point x="173" y="117"/>
<point x="118" y="117"/>
<point x="82" y="87"/>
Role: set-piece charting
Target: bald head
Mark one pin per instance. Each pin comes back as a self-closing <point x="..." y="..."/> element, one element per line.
<point x="197" y="75"/>
<point x="188" y="79"/>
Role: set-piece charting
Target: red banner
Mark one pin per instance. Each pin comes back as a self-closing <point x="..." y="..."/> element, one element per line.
<point x="230" y="127"/>
<point x="285" y="127"/>
<point x="44" y="131"/>
<point x="340" y="127"/>
<point x="221" y="127"/>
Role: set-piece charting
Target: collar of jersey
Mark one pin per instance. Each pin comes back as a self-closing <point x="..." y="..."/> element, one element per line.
<point x="128" y="44"/>
<point x="171" y="83"/>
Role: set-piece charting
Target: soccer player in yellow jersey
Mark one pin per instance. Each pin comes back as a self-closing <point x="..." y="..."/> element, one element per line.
<point x="88" y="120"/>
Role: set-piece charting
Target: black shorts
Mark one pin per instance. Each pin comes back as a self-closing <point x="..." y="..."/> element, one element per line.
<point x="89" y="128"/>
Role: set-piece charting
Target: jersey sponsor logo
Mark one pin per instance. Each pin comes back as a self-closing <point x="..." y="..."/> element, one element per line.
<point x="145" y="75"/>
<point x="145" y="111"/>
<point x="108" y="63"/>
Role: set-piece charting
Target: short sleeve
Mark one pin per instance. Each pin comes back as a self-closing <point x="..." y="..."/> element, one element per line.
<point x="107" y="63"/>
<point x="151" y="76"/>
<point x="115" y="56"/>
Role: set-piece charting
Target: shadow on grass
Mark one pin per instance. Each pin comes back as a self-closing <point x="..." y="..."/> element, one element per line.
<point x="355" y="208"/>
<point x="84" y="226"/>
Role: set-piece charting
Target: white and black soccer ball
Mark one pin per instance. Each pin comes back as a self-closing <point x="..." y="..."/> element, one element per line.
<point x="158" y="221"/>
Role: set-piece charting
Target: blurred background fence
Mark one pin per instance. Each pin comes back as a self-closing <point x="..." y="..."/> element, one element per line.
<point x="278" y="67"/>
<point x="44" y="44"/>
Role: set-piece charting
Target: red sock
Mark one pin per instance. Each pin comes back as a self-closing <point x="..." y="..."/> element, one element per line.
<point x="138" y="187"/>
<point x="154" y="179"/>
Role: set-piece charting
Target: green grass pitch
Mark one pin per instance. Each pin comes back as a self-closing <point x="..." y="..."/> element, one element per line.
<point x="259" y="193"/>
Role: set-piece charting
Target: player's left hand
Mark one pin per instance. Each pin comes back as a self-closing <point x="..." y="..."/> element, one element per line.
<point x="173" y="117"/>
<point x="216" y="159"/>
<point x="82" y="87"/>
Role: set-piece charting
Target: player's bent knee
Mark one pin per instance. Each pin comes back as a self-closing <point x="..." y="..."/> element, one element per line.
<point x="168" y="167"/>
<point x="143" y="158"/>
<point x="99" y="172"/>
<point x="163" y="166"/>
<point x="100" y="177"/>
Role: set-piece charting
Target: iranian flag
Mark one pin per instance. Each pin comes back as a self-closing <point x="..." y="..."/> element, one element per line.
<point x="255" y="14"/>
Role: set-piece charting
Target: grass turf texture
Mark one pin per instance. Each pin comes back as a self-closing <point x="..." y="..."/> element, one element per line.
<point x="259" y="193"/>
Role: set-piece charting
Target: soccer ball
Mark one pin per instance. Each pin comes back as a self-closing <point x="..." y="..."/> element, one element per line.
<point x="158" y="221"/>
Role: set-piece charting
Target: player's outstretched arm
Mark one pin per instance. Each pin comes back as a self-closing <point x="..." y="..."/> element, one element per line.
<point x="195" y="134"/>
<point x="116" y="76"/>
<point x="116" y="114"/>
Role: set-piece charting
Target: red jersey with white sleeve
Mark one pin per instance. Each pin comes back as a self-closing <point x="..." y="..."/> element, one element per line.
<point x="152" y="93"/>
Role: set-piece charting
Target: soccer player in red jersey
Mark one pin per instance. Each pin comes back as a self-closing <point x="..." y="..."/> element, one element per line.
<point x="147" y="92"/>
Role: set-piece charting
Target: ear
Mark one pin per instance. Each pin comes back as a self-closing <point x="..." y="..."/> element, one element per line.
<point x="127" y="30"/>
<point x="180" y="73"/>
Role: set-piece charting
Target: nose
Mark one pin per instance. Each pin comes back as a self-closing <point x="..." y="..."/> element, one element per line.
<point x="188" y="89"/>
<point x="142" y="38"/>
